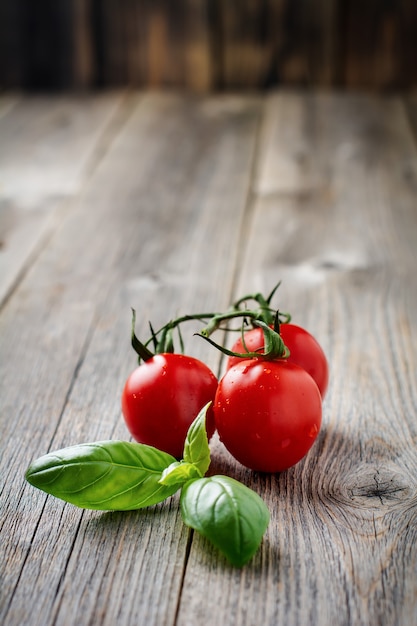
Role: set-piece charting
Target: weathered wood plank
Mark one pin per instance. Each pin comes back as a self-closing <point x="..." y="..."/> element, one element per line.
<point x="334" y="216"/>
<point x="155" y="228"/>
<point x="48" y="147"/>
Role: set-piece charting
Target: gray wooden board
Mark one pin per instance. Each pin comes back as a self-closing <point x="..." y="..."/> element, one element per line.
<point x="193" y="202"/>
<point x="47" y="148"/>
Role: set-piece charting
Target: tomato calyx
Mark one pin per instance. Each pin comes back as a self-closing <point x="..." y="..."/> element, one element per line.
<point x="274" y="347"/>
<point x="162" y="339"/>
<point x="140" y="349"/>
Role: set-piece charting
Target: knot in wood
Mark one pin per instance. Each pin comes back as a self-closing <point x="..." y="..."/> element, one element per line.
<point x="370" y="486"/>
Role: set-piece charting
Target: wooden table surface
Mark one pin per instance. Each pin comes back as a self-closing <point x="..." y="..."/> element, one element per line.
<point x="174" y="204"/>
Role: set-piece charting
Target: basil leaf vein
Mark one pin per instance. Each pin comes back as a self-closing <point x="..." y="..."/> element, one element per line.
<point x="226" y="512"/>
<point x="106" y="475"/>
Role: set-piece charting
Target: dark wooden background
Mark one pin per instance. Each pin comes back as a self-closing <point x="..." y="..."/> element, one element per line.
<point x="208" y="45"/>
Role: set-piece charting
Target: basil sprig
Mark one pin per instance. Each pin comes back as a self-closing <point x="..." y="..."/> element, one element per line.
<point x="120" y="475"/>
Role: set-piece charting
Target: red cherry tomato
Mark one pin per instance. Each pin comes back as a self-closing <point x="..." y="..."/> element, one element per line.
<point x="305" y="351"/>
<point x="163" y="396"/>
<point x="267" y="413"/>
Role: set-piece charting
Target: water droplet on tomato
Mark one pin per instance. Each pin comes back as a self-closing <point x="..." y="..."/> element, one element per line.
<point x="285" y="442"/>
<point x="313" y="431"/>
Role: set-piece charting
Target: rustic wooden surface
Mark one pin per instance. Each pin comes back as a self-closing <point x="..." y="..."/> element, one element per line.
<point x="173" y="204"/>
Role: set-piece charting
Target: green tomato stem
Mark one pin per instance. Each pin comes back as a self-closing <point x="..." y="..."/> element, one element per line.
<point x="274" y="345"/>
<point x="163" y="341"/>
<point x="137" y="345"/>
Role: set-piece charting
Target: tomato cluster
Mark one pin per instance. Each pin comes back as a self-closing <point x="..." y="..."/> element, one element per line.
<point x="267" y="407"/>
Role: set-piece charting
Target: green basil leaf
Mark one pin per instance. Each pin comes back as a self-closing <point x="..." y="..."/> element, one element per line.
<point x="179" y="473"/>
<point x="107" y="475"/>
<point x="196" y="447"/>
<point x="226" y="512"/>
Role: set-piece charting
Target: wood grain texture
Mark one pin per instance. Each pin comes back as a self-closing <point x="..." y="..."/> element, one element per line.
<point x="193" y="202"/>
<point x="47" y="151"/>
